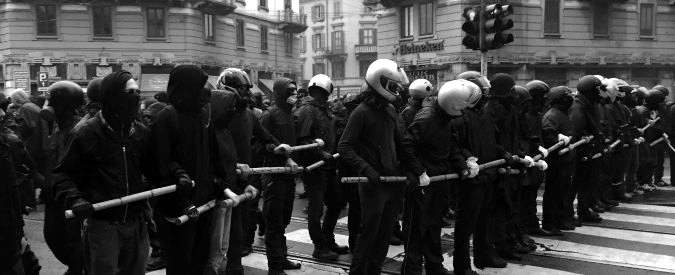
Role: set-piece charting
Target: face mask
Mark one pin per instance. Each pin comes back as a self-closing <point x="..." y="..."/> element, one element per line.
<point x="292" y="99"/>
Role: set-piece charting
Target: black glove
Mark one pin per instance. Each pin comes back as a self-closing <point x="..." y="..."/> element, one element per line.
<point x="184" y="184"/>
<point x="372" y="175"/>
<point x="509" y="158"/>
<point x="413" y="181"/>
<point x="83" y="209"/>
<point x="326" y="156"/>
<point x="191" y="212"/>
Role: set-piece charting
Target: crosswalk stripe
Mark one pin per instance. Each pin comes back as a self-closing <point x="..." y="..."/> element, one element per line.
<point x="643" y="207"/>
<point x="627" y="235"/>
<point x="605" y="255"/>
<point x="302" y="236"/>
<point x="511" y="268"/>
<point x="631" y="218"/>
<point x="259" y="261"/>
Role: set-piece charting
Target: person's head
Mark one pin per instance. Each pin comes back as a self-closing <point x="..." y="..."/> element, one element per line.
<point x="539" y="91"/>
<point x="187" y="89"/>
<point x="654" y="99"/>
<point x="482" y="83"/>
<point x="501" y="94"/>
<point x="64" y="98"/>
<point x="561" y="98"/>
<point x="386" y="78"/>
<point x="150" y="113"/>
<point x="522" y="99"/>
<point x="236" y="79"/>
<point x="662" y="89"/>
<point x="320" y="87"/>
<point x="120" y="100"/>
<point x="420" y="89"/>
<point x="38" y="100"/>
<point x="4" y="104"/>
<point x="622" y="87"/>
<point x="147" y="102"/>
<point x="635" y="97"/>
<point x="285" y="93"/>
<point x="457" y="95"/>
<point x="162" y="97"/>
<point x="592" y="88"/>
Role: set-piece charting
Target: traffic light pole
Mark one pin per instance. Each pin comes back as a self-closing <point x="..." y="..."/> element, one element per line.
<point x="481" y="41"/>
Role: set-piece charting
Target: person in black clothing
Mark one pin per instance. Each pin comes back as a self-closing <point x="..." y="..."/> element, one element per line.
<point x="62" y="235"/>
<point x="184" y="149"/>
<point x="418" y="90"/>
<point x="584" y="117"/>
<point x="372" y="145"/>
<point x="430" y="140"/>
<point x="105" y="160"/>
<point x="557" y="127"/>
<point x="280" y="191"/>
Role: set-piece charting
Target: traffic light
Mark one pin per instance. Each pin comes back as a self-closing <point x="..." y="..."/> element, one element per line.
<point x="472" y="28"/>
<point x="496" y="23"/>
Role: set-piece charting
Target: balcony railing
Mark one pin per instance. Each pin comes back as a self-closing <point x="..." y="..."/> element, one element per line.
<point x="218" y="7"/>
<point x="365" y="49"/>
<point x="292" y="21"/>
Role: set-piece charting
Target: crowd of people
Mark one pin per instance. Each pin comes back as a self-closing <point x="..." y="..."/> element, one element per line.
<point x="402" y="156"/>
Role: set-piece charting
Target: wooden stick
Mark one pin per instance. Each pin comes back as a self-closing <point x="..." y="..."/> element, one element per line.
<point x="614" y="144"/>
<point x="508" y="171"/>
<point x="319" y="163"/>
<point x="653" y="143"/>
<point x="129" y="199"/>
<point x="208" y="206"/>
<point x="306" y="146"/>
<point x="364" y="179"/>
<point x="271" y="170"/>
<point x="576" y="144"/>
<point x="550" y="149"/>
<point x="597" y="155"/>
<point x="491" y="164"/>
<point x="643" y="129"/>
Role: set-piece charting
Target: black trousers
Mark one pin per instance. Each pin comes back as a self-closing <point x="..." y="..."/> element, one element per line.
<point x="185" y="247"/>
<point x="585" y="183"/>
<point x="472" y="217"/>
<point x="323" y="188"/>
<point x="558" y="178"/>
<point x="251" y="211"/>
<point x="505" y="214"/>
<point x="354" y="214"/>
<point x="236" y="240"/>
<point x="277" y="210"/>
<point x="63" y="236"/>
<point x="379" y="206"/>
<point x="528" y="204"/>
<point x="422" y="223"/>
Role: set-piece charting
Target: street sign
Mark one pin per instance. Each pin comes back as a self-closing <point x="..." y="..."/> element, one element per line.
<point x="43" y="81"/>
<point x="22" y="80"/>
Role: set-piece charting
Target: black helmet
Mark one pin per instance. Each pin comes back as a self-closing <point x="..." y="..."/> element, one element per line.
<point x="588" y="85"/>
<point x="502" y="84"/>
<point x="561" y="96"/>
<point x="235" y="78"/>
<point x="64" y="98"/>
<point x="662" y="89"/>
<point x="654" y="99"/>
<point x="538" y="89"/>
<point x="521" y="97"/>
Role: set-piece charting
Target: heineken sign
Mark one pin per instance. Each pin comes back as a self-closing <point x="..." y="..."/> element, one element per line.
<point x="411" y="48"/>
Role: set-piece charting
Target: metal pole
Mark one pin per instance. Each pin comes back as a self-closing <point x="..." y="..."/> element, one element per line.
<point x="481" y="40"/>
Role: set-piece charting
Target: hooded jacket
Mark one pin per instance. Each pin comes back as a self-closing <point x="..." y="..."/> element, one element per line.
<point x="33" y="130"/>
<point x="119" y="108"/>
<point x="475" y="130"/>
<point x="555" y="121"/>
<point x="411" y="108"/>
<point x="183" y="143"/>
<point x="584" y="117"/>
<point x="279" y="119"/>
<point x="314" y="120"/>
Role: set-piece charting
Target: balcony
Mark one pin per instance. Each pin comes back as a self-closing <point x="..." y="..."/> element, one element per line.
<point x="332" y="53"/>
<point x="216" y="7"/>
<point x="365" y="49"/>
<point x="292" y="22"/>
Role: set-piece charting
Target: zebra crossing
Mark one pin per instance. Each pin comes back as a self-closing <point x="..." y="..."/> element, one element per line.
<point x="633" y="239"/>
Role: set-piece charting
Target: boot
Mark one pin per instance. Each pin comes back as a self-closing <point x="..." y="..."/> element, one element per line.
<point x="339" y="249"/>
<point x="490" y="261"/>
<point x="325" y="254"/>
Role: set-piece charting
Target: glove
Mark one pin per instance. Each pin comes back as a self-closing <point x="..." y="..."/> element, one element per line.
<point x="542" y="165"/>
<point x="529" y="161"/>
<point x="473" y="168"/>
<point x="270" y="147"/>
<point x="413" y="181"/>
<point x="83" y="209"/>
<point x="294" y="166"/>
<point x="372" y="175"/>
<point x="326" y="156"/>
<point x="283" y="149"/>
<point x="424" y="179"/>
<point x="543" y="151"/>
<point x="252" y="190"/>
<point x="231" y="195"/>
<point x="564" y="138"/>
<point x="508" y="157"/>
<point x="665" y="136"/>
<point x="191" y="212"/>
<point x="184" y="184"/>
<point x="245" y="170"/>
<point x="640" y="140"/>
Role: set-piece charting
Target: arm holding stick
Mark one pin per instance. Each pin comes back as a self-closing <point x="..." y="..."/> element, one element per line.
<point x="582" y="141"/>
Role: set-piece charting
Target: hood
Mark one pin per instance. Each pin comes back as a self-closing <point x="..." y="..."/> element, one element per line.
<point x="119" y="107"/>
<point x="280" y="93"/>
<point x="94" y="90"/>
<point x="185" y="88"/>
<point x="19" y="97"/>
<point x="223" y="106"/>
<point x="152" y="111"/>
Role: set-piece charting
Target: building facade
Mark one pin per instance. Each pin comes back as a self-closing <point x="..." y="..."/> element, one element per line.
<point x="80" y="42"/>
<point x="555" y="41"/>
<point x="340" y="41"/>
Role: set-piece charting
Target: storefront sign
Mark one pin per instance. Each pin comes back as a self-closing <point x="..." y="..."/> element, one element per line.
<point x="427" y="46"/>
<point x="22" y="80"/>
<point x="430" y="75"/>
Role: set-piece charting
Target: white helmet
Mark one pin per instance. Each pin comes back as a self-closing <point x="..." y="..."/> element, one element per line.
<point x="420" y="89"/>
<point x="457" y="95"/>
<point x="620" y="85"/>
<point x="321" y="81"/>
<point x="612" y="89"/>
<point x="386" y="78"/>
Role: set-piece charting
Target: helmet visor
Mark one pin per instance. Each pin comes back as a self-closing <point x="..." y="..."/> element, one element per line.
<point x="392" y="86"/>
<point x="404" y="77"/>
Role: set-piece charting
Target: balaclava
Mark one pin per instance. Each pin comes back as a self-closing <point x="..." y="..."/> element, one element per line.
<point x="120" y="107"/>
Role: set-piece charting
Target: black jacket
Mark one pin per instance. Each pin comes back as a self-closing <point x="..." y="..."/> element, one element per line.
<point x="279" y="119"/>
<point x="555" y="122"/>
<point x="475" y="130"/>
<point x="99" y="165"/>
<point x="373" y="140"/>
<point x="314" y="120"/>
<point x="584" y="117"/>
<point x="411" y="108"/>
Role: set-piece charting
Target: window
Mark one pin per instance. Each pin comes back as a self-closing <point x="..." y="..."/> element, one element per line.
<point x="263" y="38"/>
<point x="363" y="67"/>
<point x="102" y="18"/>
<point x="337" y="8"/>
<point x="208" y="27"/>
<point x="646" y="19"/>
<point x="336" y="41"/>
<point x="303" y="44"/>
<point x="426" y="18"/>
<point x="287" y="5"/>
<point x="317" y="13"/>
<point x="262" y="4"/>
<point x="552" y="16"/>
<point x="156" y="22"/>
<point x="406" y="21"/>
<point x="240" y="25"/>
<point x="46" y="20"/>
<point x="338" y="69"/>
<point x="601" y="18"/>
<point x="318" y="68"/>
<point x="368" y="37"/>
<point x="288" y="39"/>
<point x="317" y="41"/>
